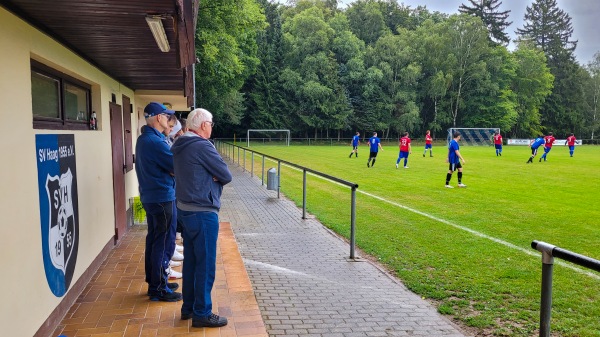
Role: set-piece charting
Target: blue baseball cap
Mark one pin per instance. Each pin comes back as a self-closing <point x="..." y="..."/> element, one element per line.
<point x="154" y="109"/>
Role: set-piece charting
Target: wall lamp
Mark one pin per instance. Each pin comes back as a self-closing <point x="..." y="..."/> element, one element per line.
<point x="158" y="31"/>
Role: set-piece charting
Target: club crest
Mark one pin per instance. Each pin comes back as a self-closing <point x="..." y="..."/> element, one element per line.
<point x="59" y="214"/>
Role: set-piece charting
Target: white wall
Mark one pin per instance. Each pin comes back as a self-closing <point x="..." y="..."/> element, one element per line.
<point x="27" y="299"/>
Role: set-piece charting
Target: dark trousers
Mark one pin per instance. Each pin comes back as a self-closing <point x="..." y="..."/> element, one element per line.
<point x="200" y="234"/>
<point x="160" y="242"/>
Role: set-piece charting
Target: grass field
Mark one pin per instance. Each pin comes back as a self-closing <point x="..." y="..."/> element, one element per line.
<point x="467" y="249"/>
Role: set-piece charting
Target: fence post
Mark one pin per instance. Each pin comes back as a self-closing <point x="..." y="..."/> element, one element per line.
<point x="278" y="177"/>
<point x="262" y="177"/>
<point x="546" y="299"/>
<point x="244" y="159"/>
<point x="238" y="156"/>
<point x="252" y="164"/>
<point x="304" y="194"/>
<point x="352" y="222"/>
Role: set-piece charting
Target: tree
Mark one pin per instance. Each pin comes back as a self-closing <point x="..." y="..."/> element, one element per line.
<point x="310" y="78"/>
<point x="593" y="94"/>
<point x="367" y="21"/>
<point x="532" y="84"/>
<point x="393" y="55"/>
<point x="549" y="28"/>
<point x="264" y="99"/>
<point x="467" y="45"/>
<point x="492" y="18"/>
<point x="226" y="39"/>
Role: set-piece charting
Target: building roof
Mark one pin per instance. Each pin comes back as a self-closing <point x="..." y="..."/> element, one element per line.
<point x="114" y="36"/>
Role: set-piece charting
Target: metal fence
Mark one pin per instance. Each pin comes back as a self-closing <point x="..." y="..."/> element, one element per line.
<point x="235" y="152"/>
<point x="549" y="252"/>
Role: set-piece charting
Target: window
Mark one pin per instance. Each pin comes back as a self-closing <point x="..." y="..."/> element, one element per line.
<point x="58" y="100"/>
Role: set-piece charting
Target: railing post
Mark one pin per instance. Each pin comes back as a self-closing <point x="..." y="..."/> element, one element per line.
<point x="546" y="299"/>
<point x="244" y="159"/>
<point x="238" y="156"/>
<point x="262" y="177"/>
<point x="278" y="177"/>
<point x="352" y="221"/>
<point x="252" y="164"/>
<point x="304" y="194"/>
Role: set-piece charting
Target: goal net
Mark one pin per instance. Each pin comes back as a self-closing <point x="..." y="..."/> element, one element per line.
<point x="268" y="137"/>
<point x="474" y="136"/>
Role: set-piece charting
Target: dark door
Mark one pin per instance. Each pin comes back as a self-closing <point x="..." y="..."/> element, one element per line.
<point x="116" y="136"/>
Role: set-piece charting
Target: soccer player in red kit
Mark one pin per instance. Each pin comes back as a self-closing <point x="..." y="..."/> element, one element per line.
<point x="571" y="142"/>
<point x="428" y="145"/>
<point x="498" y="143"/>
<point x="548" y="142"/>
<point x="405" y="150"/>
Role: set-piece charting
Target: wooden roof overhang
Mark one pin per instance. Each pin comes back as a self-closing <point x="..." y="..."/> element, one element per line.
<point x="113" y="35"/>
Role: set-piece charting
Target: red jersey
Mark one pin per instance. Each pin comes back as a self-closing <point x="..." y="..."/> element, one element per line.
<point x="549" y="140"/>
<point x="428" y="139"/>
<point x="571" y="140"/>
<point x="498" y="139"/>
<point x="404" y="142"/>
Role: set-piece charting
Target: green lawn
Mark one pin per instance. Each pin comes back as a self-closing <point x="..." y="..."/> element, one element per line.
<point x="474" y="279"/>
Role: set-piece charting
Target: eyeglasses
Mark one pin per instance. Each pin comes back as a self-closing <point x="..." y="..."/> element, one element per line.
<point x="212" y="124"/>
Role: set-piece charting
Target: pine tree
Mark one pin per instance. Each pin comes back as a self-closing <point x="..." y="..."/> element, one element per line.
<point x="493" y="19"/>
<point x="549" y="28"/>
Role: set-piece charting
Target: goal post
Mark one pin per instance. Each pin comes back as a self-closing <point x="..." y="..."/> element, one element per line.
<point x="474" y="136"/>
<point x="285" y="132"/>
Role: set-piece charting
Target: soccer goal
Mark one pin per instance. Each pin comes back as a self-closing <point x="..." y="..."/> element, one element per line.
<point x="474" y="136"/>
<point x="269" y="135"/>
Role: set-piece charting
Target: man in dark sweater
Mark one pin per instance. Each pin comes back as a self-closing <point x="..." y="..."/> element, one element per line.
<point x="200" y="173"/>
<point x="154" y="169"/>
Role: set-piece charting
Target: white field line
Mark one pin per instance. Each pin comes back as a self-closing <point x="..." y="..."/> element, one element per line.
<point x="466" y="229"/>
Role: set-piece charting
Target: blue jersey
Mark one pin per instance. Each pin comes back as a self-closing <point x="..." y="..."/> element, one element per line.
<point x="452" y="148"/>
<point x="374" y="143"/>
<point x="539" y="141"/>
<point x="355" y="140"/>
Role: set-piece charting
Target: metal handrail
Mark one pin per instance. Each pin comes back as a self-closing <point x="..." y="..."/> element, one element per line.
<point x="549" y="252"/>
<point x="353" y="186"/>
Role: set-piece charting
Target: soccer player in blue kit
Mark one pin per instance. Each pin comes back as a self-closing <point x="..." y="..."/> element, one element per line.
<point x="539" y="141"/>
<point x="453" y="160"/>
<point x="375" y="145"/>
<point x="355" y="143"/>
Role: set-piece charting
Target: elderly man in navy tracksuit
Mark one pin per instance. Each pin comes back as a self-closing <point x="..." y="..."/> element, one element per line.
<point x="200" y="173"/>
<point x="154" y="169"/>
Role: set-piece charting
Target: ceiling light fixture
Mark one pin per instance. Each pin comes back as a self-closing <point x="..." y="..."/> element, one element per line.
<point x="158" y="31"/>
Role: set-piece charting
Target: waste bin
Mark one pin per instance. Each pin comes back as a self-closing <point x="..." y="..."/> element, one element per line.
<point x="272" y="179"/>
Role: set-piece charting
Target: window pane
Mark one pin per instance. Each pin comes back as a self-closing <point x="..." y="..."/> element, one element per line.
<point x="44" y="91"/>
<point x="76" y="103"/>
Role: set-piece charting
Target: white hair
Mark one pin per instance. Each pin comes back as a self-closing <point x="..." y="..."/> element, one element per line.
<point x="197" y="117"/>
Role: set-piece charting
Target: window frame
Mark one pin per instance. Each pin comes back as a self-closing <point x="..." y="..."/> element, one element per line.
<point x="61" y="123"/>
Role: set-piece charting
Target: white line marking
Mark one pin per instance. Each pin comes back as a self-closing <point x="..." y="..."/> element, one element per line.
<point x="469" y="230"/>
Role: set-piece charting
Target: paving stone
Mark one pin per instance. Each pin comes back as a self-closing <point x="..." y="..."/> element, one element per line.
<point x="303" y="282"/>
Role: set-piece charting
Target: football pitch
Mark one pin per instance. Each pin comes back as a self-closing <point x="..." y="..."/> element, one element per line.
<point x="466" y="249"/>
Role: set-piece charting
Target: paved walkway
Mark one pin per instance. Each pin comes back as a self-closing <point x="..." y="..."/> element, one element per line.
<point x="115" y="304"/>
<point x="303" y="282"/>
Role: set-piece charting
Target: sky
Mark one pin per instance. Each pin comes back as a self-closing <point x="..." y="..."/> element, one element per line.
<point x="583" y="14"/>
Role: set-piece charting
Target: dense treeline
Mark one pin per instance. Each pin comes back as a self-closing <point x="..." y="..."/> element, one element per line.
<point x="381" y="66"/>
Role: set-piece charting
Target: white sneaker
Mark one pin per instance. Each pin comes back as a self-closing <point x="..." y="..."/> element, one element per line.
<point x="174" y="263"/>
<point x="177" y="236"/>
<point x="173" y="274"/>
<point x="177" y="256"/>
<point x="462" y="185"/>
<point x="178" y="248"/>
<point x="449" y="186"/>
<point x="405" y="166"/>
<point x="396" y="165"/>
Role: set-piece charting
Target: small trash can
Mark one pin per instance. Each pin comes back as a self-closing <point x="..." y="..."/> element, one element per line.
<point x="272" y="179"/>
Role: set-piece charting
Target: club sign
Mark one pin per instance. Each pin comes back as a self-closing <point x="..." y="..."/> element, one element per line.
<point x="59" y="213"/>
